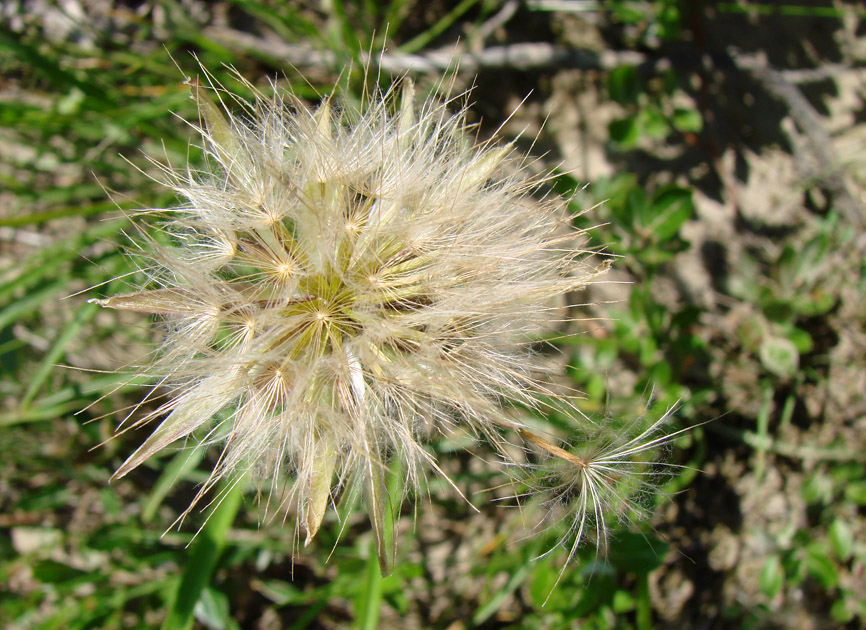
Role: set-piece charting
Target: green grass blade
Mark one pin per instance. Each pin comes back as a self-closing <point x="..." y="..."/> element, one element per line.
<point x="342" y="36"/>
<point x="29" y="55"/>
<point x="203" y="556"/>
<point x="38" y="414"/>
<point x="643" y="610"/>
<point x="66" y="336"/>
<point x="47" y="261"/>
<point x="34" y="218"/>
<point x="420" y="41"/>
<point x="27" y="303"/>
<point x="489" y="609"/>
<point x="371" y="600"/>
<point x="71" y="399"/>
<point x="396" y="13"/>
<point x="182" y="463"/>
<point x="287" y="22"/>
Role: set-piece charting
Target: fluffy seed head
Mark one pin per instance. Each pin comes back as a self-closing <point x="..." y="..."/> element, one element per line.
<point x="341" y="286"/>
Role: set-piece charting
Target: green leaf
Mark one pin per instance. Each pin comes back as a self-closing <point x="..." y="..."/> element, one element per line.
<point x="613" y="191"/>
<point x="623" y="602"/>
<point x="801" y="339"/>
<point x="841" y="539"/>
<point x="841" y="611"/>
<point x="517" y="578"/>
<point x="643" y="611"/>
<point x="653" y="123"/>
<point x="48" y="66"/>
<point x="779" y="356"/>
<point x="771" y="577"/>
<point x="856" y="491"/>
<point x="637" y="553"/>
<point x="420" y="41"/>
<point x="635" y="210"/>
<point x="667" y="21"/>
<point x="687" y="120"/>
<point x="821" y="568"/>
<point x="624" y="131"/>
<point x="182" y="463"/>
<point x="369" y="598"/>
<point x="818" y="488"/>
<point x="51" y="572"/>
<point x="541" y="586"/>
<point x="287" y="22"/>
<point x="777" y="309"/>
<point x="660" y="374"/>
<point x="623" y="85"/>
<point x="670" y="207"/>
<point x="29" y="302"/>
<point x="595" y="592"/>
<point x="848" y="472"/>
<point x="816" y="302"/>
<point x="653" y="255"/>
<point x="627" y="13"/>
<point x="213" y="610"/>
<point x="66" y="336"/>
<point x="203" y="556"/>
<point x="280" y="592"/>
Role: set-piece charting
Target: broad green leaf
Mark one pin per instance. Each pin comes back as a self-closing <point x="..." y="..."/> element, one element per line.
<point x="637" y="553"/>
<point x="779" y="356"/>
<point x="841" y="611"/>
<point x="623" y="602"/>
<point x="623" y="85"/>
<point x="841" y="539"/>
<point x="856" y="491"/>
<point x="653" y="123"/>
<point x="635" y="210"/>
<point x="280" y="592"/>
<point x="821" y="568"/>
<point x="624" y="131"/>
<point x="671" y="206"/>
<point x="818" y="488"/>
<point x="813" y="303"/>
<point x="771" y="577"/>
<point x="801" y="339"/>
<point x="687" y="120"/>
<point x="214" y="611"/>
<point x="627" y="13"/>
<point x="777" y="309"/>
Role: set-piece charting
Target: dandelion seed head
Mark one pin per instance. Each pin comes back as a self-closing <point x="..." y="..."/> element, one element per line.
<point x="340" y="286"/>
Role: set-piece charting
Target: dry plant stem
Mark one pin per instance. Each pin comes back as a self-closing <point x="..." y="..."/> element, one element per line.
<point x="520" y="56"/>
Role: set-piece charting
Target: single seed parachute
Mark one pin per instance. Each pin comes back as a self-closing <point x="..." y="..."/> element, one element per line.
<point x="341" y="287"/>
